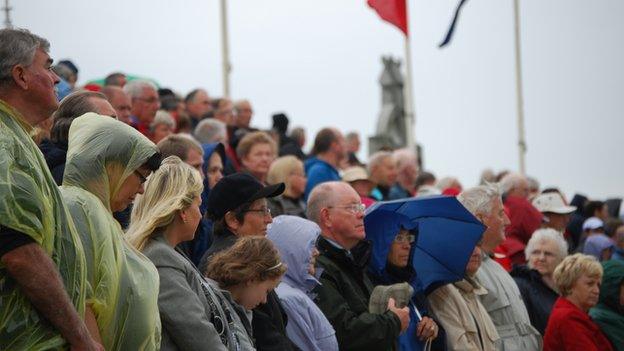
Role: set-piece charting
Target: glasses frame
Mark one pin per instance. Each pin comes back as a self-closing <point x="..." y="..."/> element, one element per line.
<point x="353" y="208"/>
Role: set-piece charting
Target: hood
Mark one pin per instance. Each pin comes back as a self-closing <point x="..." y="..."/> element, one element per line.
<point x="612" y="279"/>
<point x="102" y="153"/>
<point x="209" y="149"/>
<point x="295" y="239"/>
<point x="381" y="229"/>
<point x="595" y="244"/>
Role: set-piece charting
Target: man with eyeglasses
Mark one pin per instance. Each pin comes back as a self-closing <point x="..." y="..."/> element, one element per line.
<point x="345" y="288"/>
<point x="238" y="206"/>
<point x="145" y="103"/>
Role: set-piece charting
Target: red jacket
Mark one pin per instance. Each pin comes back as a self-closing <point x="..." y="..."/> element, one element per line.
<point x="571" y="329"/>
<point x="525" y="219"/>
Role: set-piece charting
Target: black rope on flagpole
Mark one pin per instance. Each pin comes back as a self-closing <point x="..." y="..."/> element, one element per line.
<point x="451" y="29"/>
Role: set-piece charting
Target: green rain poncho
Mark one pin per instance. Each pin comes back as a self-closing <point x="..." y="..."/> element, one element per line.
<point x="608" y="313"/>
<point x="30" y="203"/>
<point x="123" y="284"/>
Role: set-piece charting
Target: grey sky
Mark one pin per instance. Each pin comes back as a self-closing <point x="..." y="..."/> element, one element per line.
<point x="319" y="62"/>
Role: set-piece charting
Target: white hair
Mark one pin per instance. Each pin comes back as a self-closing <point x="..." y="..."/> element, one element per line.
<point x="18" y="48"/>
<point x="163" y="117"/>
<point x="210" y="130"/>
<point x="446" y="182"/>
<point x="377" y="158"/>
<point x="510" y="181"/>
<point x="405" y="157"/>
<point x="547" y="234"/>
<point x="135" y="88"/>
<point x="478" y="200"/>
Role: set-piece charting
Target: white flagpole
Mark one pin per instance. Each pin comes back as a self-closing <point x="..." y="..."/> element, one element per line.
<point x="225" y="50"/>
<point x="408" y="95"/>
<point x="520" y="100"/>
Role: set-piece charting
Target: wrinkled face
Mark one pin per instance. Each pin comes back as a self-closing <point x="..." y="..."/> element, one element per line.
<point x="386" y="172"/>
<point x="313" y="256"/>
<point x="160" y="132"/>
<point x="225" y="112"/>
<point x="200" y="104"/>
<point x="131" y="186"/>
<point x="123" y="106"/>
<point x="256" y="219"/>
<point x="190" y="219"/>
<point x="474" y="263"/>
<point x="585" y="292"/>
<point x="544" y="257"/>
<point x="243" y="114"/>
<point x="344" y="218"/>
<point x="103" y="107"/>
<point x="255" y="293"/>
<point x="146" y="105"/>
<point x="195" y="159"/>
<point x="38" y="81"/>
<point x="214" y="171"/>
<point x="495" y="221"/>
<point x="400" y="249"/>
<point x="258" y="160"/>
<point x="297" y="181"/>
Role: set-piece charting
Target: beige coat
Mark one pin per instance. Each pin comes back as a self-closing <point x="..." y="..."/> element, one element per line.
<point x="458" y="309"/>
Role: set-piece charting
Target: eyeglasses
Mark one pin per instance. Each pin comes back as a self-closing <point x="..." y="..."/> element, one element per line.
<point x="405" y="238"/>
<point x="264" y="211"/>
<point x="353" y="208"/>
<point x="142" y="178"/>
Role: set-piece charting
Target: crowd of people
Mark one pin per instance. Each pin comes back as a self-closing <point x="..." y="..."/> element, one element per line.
<point x="132" y="218"/>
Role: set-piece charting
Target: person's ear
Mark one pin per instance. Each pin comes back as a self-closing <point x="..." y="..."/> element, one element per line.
<point x="183" y="215"/>
<point x="325" y="217"/>
<point x="18" y="72"/>
<point x="231" y="221"/>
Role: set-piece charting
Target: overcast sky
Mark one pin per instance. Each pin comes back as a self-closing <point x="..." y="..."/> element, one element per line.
<point x="319" y="61"/>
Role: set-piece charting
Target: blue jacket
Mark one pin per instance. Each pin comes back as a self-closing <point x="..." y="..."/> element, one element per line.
<point x="318" y="171"/>
<point x="382" y="273"/>
<point x="307" y="326"/>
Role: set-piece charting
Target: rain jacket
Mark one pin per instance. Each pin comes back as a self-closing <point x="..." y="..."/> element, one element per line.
<point x="343" y="297"/>
<point x="538" y="297"/>
<point x="466" y="322"/>
<point x="571" y="329"/>
<point x="307" y="326"/>
<point x="123" y="283"/>
<point x="608" y="313"/>
<point x="383" y="273"/>
<point x="506" y="308"/>
<point x="202" y="240"/>
<point x="30" y="203"/>
<point x="318" y="171"/>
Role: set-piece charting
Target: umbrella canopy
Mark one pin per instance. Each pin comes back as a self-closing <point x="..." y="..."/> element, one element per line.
<point x="129" y="78"/>
<point x="446" y="236"/>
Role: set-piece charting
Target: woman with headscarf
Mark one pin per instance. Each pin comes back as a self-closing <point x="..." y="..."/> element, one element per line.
<point x="192" y="314"/>
<point x="390" y="264"/>
<point x="107" y="164"/>
<point x="307" y="327"/>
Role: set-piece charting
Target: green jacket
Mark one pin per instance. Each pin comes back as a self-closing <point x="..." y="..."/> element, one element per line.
<point x="608" y="313"/>
<point x="343" y="297"/>
<point x="30" y="203"/>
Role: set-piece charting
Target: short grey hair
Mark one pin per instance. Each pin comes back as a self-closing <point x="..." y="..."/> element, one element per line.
<point x="135" y="88"/>
<point x="210" y="130"/>
<point x="377" y="158"/>
<point x="18" y="48"/>
<point x="322" y="196"/>
<point x="405" y="157"/>
<point x="163" y="117"/>
<point x="446" y="182"/>
<point x="547" y="234"/>
<point x="478" y="200"/>
<point x="510" y="181"/>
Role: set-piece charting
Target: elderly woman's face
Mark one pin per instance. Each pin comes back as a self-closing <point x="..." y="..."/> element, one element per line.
<point x="585" y="292"/>
<point x="544" y="257"/>
<point x="400" y="249"/>
<point x="161" y="131"/>
<point x="259" y="159"/>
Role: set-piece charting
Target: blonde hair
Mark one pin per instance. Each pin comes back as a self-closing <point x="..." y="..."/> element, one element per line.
<point x="282" y="168"/>
<point x="173" y="187"/>
<point x="251" y="258"/>
<point x="572" y="268"/>
<point x="251" y="139"/>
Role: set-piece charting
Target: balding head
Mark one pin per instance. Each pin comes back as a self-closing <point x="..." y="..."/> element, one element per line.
<point x="120" y="101"/>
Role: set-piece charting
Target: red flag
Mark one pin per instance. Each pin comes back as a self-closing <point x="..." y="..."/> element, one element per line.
<point x="393" y="11"/>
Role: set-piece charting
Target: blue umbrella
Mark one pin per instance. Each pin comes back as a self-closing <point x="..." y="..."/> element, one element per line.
<point x="446" y="236"/>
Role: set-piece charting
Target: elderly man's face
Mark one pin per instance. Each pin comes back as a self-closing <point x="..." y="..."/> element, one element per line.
<point x="495" y="221"/>
<point x="200" y="105"/>
<point x="39" y="80"/>
<point x="146" y="105"/>
<point x="123" y="105"/>
<point x="244" y="112"/>
<point x="225" y="112"/>
<point x="345" y="218"/>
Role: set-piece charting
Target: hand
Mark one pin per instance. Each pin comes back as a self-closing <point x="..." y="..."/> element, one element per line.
<point x="426" y="329"/>
<point x="402" y="313"/>
<point x="90" y="345"/>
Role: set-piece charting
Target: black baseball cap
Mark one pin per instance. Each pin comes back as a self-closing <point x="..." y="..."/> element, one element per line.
<point x="236" y="189"/>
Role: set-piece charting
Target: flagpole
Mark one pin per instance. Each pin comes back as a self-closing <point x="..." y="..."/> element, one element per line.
<point x="408" y="95"/>
<point x="225" y="50"/>
<point x="519" y="97"/>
